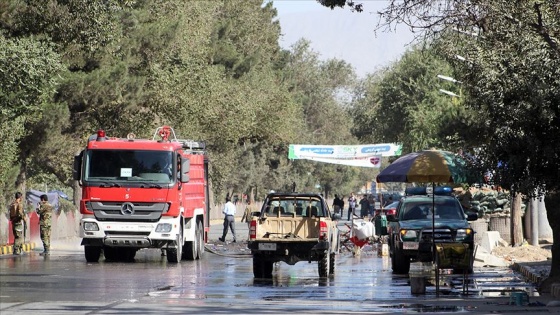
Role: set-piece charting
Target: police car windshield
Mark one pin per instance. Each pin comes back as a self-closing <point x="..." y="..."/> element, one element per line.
<point x="419" y="208"/>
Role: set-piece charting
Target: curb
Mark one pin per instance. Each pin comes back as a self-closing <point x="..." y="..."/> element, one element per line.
<point x="536" y="278"/>
<point x="9" y="249"/>
<point x="525" y="271"/>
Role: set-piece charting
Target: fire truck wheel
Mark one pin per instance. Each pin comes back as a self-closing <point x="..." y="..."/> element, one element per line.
<point x="174" y="255"/>
<point x="191" y="248"/>
<point x="128" y="254"/>
<point x="92" y="253"/>
<point x="110" y="253"/>
<point x="200" y="237"/>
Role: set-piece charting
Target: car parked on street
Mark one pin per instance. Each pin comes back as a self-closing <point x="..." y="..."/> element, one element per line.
<point x="390" y="209"/>
<point x="411" y="229"/>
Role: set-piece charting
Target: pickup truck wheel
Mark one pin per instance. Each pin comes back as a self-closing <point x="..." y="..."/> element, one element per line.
<point x="324" y="266"/>
<point x="174" y="255"/>
<point x="92" y="253"/>
<point x="268" y="266"/>
<point x="262" y="269"/>
<point x="331" y="264"/>
<point x="400" y="263"/>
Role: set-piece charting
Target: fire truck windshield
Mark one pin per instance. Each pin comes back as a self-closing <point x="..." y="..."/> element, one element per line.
<point x="129" y="165"/>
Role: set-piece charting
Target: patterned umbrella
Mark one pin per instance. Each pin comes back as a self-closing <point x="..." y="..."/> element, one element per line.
<point x="428" y="166"/>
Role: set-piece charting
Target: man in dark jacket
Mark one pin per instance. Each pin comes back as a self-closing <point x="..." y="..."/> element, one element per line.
<point x="364" y="206"/>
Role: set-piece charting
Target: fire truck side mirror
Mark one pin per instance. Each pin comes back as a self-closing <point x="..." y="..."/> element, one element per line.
<point x="185" y="168"/>
<point x="77" y="169"/>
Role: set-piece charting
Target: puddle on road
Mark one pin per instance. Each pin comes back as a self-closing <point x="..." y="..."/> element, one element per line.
<point x="422" y="308"/>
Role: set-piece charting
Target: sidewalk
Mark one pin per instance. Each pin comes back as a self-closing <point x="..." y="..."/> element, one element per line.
<point x="217" y="228"/>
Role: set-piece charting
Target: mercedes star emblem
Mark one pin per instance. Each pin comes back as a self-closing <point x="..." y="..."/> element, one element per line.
<point x="127" y="208"/>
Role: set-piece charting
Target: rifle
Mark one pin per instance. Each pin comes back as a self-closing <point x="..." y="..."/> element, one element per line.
<point x="24" y="229"/>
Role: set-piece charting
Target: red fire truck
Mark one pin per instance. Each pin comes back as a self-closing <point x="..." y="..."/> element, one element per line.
<point x="140" y="193"/>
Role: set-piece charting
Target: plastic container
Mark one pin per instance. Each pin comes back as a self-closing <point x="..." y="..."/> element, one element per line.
<point x="363" y="229"/>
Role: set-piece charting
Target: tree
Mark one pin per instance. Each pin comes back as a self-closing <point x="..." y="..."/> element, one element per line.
<point x="27" y="95"/>
<point x="510" y="75"/>
<point x="402" y="103"/>
<point x="321" y="88"/>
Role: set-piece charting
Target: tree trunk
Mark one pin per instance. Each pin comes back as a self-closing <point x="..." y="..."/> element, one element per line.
<point x="251" y="195"/>
<point x="21" y="180"/>
<point x="516" y="225"/>
<point x="76" y="194"/>
<point x="552" y="201"/>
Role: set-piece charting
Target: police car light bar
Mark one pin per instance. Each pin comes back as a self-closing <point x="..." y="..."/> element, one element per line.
<point x="438" y="190"/>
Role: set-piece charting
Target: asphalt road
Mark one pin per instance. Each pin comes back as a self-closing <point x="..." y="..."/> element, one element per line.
<point x="222" y="282"/>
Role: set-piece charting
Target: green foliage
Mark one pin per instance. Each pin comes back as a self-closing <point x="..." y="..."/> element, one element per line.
<point x="510" y="75"/>
<point x="402" y="103"/>
<point x="212" y="70"/>
<point x="31" y="72"/>
<point x="79" y="27"/>
<point x="510" y="69"/>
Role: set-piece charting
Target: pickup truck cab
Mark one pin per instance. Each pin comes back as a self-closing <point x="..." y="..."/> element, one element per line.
<point x="293" y="227"/>
<point x="411" y="229"/>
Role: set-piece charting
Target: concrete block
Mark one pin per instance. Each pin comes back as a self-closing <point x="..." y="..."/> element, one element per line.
<point x="418" y="285"/>
<point x="490" y="240"/>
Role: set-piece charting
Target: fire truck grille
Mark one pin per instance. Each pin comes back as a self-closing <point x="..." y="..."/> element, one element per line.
<point x="128" y="211"/>
<point x="126" y="233"/>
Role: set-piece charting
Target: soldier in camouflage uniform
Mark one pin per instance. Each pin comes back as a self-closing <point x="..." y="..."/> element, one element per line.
<point x="45" y="211"/>
<point x="17" y="216"/>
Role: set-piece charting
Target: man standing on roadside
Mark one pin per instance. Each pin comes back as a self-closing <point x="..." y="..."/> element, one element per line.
<point x="336" y="204"/>
<point x="45" y="211"/>
<point x="17" y="216"/>
<point x="247" y="215"/>
<point x="364" y="207"/>
<point x="229" y="219"/>
<point x="351" y="205"/>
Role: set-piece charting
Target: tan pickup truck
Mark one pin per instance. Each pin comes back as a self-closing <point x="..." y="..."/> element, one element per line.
<point x="293" y="227"/>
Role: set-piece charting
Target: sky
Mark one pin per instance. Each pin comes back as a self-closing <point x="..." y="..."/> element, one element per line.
<point x="342" y="34"/>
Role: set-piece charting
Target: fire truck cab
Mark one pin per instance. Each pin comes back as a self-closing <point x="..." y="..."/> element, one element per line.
<point x="141" y="193"/>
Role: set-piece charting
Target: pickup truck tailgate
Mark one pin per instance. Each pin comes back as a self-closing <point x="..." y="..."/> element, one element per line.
<point x="286" y="227"/>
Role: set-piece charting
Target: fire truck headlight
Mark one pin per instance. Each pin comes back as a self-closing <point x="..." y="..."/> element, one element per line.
<point x="163" y="228"/>
<point x="91" y="226"/>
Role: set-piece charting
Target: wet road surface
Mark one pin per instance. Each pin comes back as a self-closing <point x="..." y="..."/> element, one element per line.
<point x="223" y="282"/>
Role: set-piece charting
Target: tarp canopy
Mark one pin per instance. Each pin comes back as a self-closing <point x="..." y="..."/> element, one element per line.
<point x="34" y="196"/>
